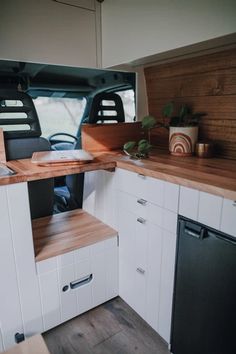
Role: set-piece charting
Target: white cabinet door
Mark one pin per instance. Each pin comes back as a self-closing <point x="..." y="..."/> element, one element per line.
<point x="100" y="196"/>
<point x="154" y="274"/>
<point x="228" y="221"/>
<point x="167" y="283"/>
<point x="72" y="34"/>
<point x="68" y="297"/>
<point x="10" y="308"/>
<point x="22" y="239"/>
<point x="189" y="203"/>
<point x="50" y="299"/>
<point x="140" y="259"/>
<point x="126" y="227"/>
<point x="210" y="209"/>
<point x="84" y="291"/>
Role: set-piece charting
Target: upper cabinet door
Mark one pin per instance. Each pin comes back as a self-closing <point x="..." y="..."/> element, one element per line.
<point x="58" y="32"/>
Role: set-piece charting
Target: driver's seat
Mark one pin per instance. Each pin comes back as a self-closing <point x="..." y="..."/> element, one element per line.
<point x="70" y="195"/>
<point x="21" y="141"/>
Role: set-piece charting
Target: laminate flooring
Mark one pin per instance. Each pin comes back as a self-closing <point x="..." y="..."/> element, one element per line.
<point x="112" y="328"/>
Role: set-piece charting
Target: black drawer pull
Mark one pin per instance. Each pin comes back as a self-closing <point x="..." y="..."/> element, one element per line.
<point x="82" y="281"/>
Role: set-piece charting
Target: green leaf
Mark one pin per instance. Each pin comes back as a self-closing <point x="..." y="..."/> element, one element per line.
<point x="184" y="110"/>
<point x="168" y="109"/>
<point x="148" y="122"/>
<point x="129" y="146"/>
<point x="143" y="146"/>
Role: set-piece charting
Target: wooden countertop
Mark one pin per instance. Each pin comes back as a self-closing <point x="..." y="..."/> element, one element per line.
<point x="27" y="171"/>
<point x="65" y="232"/>
<point x="216" y="176"/>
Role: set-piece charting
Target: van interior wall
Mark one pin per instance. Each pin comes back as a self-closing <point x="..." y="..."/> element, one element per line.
<point x="208" y="84"/>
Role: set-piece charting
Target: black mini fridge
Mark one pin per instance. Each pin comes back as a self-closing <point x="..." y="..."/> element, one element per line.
<point x="204" y="303"/>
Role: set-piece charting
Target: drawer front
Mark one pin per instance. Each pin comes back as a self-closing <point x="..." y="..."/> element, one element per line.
<point x="141" y="208"/>
<point x="137" y="206"/>
<point x="50" y="299"/>
<point x="67" y="296"/>
<point x="74" y="282"/>
<point x="132" y="183"/>
<point x="228" y="221"/>
<point x="158" y="192"/>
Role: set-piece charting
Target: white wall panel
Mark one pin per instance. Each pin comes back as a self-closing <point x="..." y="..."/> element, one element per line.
<point x="24" y="257"/>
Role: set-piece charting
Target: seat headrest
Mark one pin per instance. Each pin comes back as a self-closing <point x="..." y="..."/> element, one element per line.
<point x="18" y="116"/>
<point x="99" y="107"/>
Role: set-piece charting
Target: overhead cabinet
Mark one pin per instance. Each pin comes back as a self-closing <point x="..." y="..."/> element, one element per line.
<point x="71" y="36"/>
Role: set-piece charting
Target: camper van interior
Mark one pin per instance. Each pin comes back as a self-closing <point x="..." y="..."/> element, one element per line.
<point x="117" y="177"/>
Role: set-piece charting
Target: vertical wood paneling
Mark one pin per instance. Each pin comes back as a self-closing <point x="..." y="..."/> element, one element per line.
<point x="206" y="83"/>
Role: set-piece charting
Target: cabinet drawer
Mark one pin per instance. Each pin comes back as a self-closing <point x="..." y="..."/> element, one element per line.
<point x="228" y="221"/>
<point x="132" y="183"/>
<point x="74" y="282"/>
<point x="50" y="299"/>
<point x="141" y="208"/>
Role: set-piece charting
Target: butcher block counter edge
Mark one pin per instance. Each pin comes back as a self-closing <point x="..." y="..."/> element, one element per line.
<point x="215" y="176"/>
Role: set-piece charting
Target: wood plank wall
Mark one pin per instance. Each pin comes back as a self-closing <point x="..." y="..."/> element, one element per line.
<point x="208" y="84"/>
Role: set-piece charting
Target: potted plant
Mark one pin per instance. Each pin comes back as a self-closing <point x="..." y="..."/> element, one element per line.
<point x="183" y="129"/>
<point x="140" y="149"/>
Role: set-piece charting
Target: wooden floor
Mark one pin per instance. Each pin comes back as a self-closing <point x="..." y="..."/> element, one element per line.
<point x="112" y="328"/>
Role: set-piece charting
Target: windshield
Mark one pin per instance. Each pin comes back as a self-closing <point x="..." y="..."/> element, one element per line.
<point x="59" y="114"/>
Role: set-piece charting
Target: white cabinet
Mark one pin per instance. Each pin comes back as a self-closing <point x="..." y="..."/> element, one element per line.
<point x="228" y="221"/>
<point x="10" y="309"/>
<point x="208" y="209"/>
<point x="20" y="309"/>
<point x="21" y="230"/>
<point x="70" y="37"/>
<point x="99" y="198"/>
<point x="189" y="202"/>
<point x="77" y="281"/>
<point x="147" y="232"/>
<point x="154" y="275"/>
<point x="166" y="283"/>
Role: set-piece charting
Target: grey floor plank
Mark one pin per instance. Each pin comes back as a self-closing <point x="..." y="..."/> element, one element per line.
<point x="112" y="328"/>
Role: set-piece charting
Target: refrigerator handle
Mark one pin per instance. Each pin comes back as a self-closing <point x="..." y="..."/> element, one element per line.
<point x="198" y="234"/>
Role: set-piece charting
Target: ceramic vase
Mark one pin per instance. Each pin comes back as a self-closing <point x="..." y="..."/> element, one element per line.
<point x="182" y="140"/>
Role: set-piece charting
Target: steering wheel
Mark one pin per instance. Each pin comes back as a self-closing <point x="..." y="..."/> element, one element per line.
<point x="54" y="141"/>
<point x="62" y="144"/>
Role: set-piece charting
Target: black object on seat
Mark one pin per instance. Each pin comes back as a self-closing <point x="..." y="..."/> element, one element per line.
<point x="98" y="108"/>
<point x="22" y="143"/>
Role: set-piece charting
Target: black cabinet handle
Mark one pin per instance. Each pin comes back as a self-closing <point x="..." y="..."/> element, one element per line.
<point x="82" y="281"/>
<point x="198" y="234"/>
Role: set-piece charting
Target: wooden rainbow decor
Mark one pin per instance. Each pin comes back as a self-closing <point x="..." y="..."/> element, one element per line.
<point x="182" y="143"/>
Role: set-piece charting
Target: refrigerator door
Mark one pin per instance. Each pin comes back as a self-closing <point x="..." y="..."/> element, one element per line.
<point x="204" y="307"/>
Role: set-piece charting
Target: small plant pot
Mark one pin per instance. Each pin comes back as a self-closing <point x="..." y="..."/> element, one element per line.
<point x="182" y="140"/>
